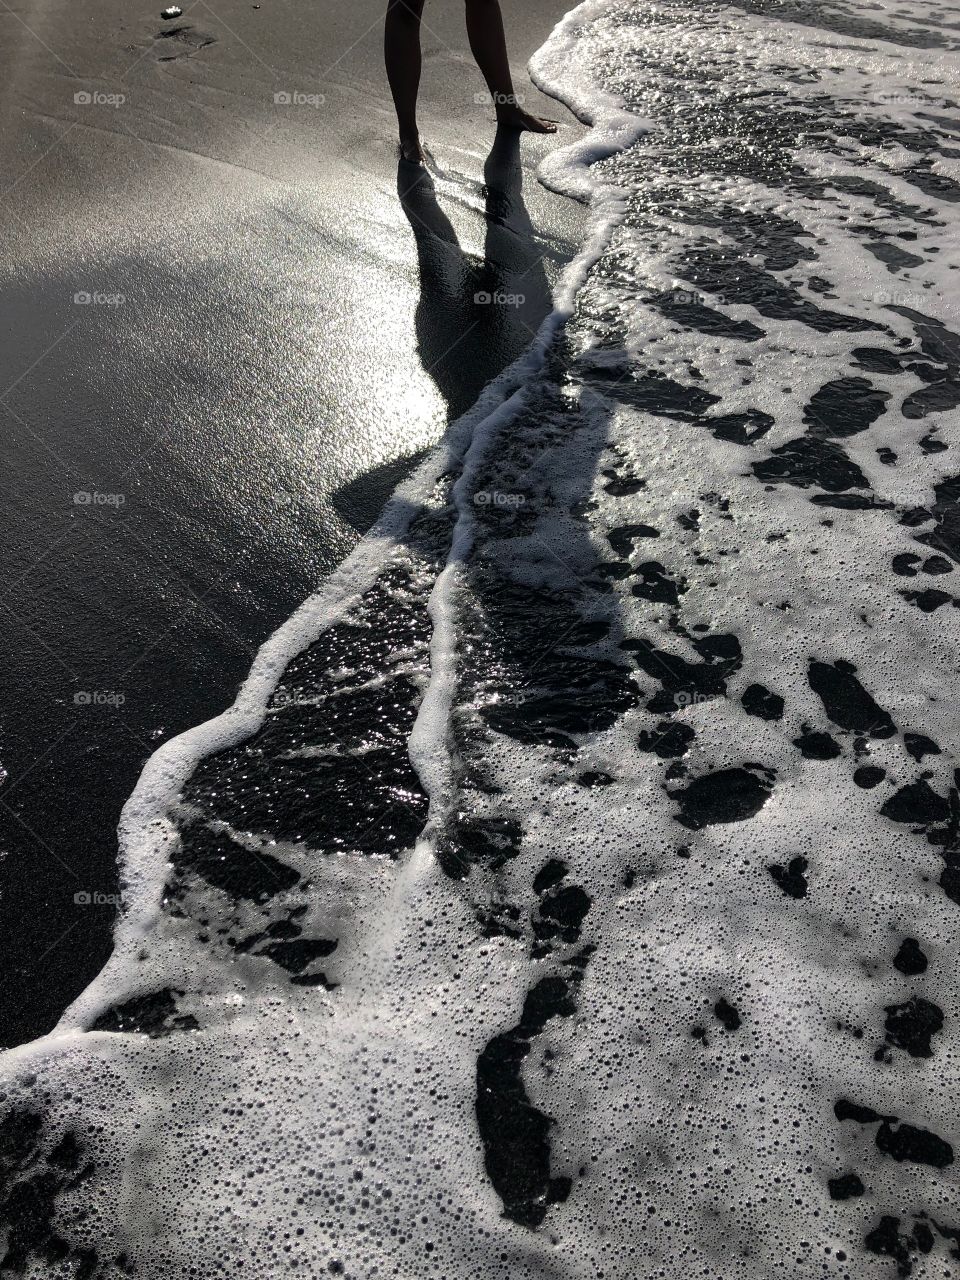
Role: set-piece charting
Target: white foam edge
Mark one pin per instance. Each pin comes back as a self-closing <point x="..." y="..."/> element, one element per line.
<point x="566" y="171"/>
<point x="613" y="128"/>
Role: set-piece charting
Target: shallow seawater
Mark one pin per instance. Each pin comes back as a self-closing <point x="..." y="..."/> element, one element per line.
<point x="575" y="890"/>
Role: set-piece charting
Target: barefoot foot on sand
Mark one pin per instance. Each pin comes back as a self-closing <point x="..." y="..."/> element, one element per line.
<point x="412" y="151"/>
<point x="514" y="117"/>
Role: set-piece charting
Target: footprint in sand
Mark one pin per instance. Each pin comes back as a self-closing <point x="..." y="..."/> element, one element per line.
<point x="187" y="41"/>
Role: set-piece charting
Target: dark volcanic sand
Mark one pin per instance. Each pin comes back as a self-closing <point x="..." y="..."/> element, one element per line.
<point x="278" y="360"/>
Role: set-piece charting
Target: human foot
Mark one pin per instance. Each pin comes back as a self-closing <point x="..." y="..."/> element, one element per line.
<point x="412" y="151"/>
<point x="514" y="117"/>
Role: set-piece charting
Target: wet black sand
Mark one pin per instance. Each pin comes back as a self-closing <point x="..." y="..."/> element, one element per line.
<point x="265" y="352"/>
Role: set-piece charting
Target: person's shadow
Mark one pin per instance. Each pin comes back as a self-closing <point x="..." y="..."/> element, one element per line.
<point x="475" y="316"/>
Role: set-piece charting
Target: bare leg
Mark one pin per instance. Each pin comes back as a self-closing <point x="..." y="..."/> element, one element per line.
<point x="401" y="53"/>
<point x="489" y="46"/>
